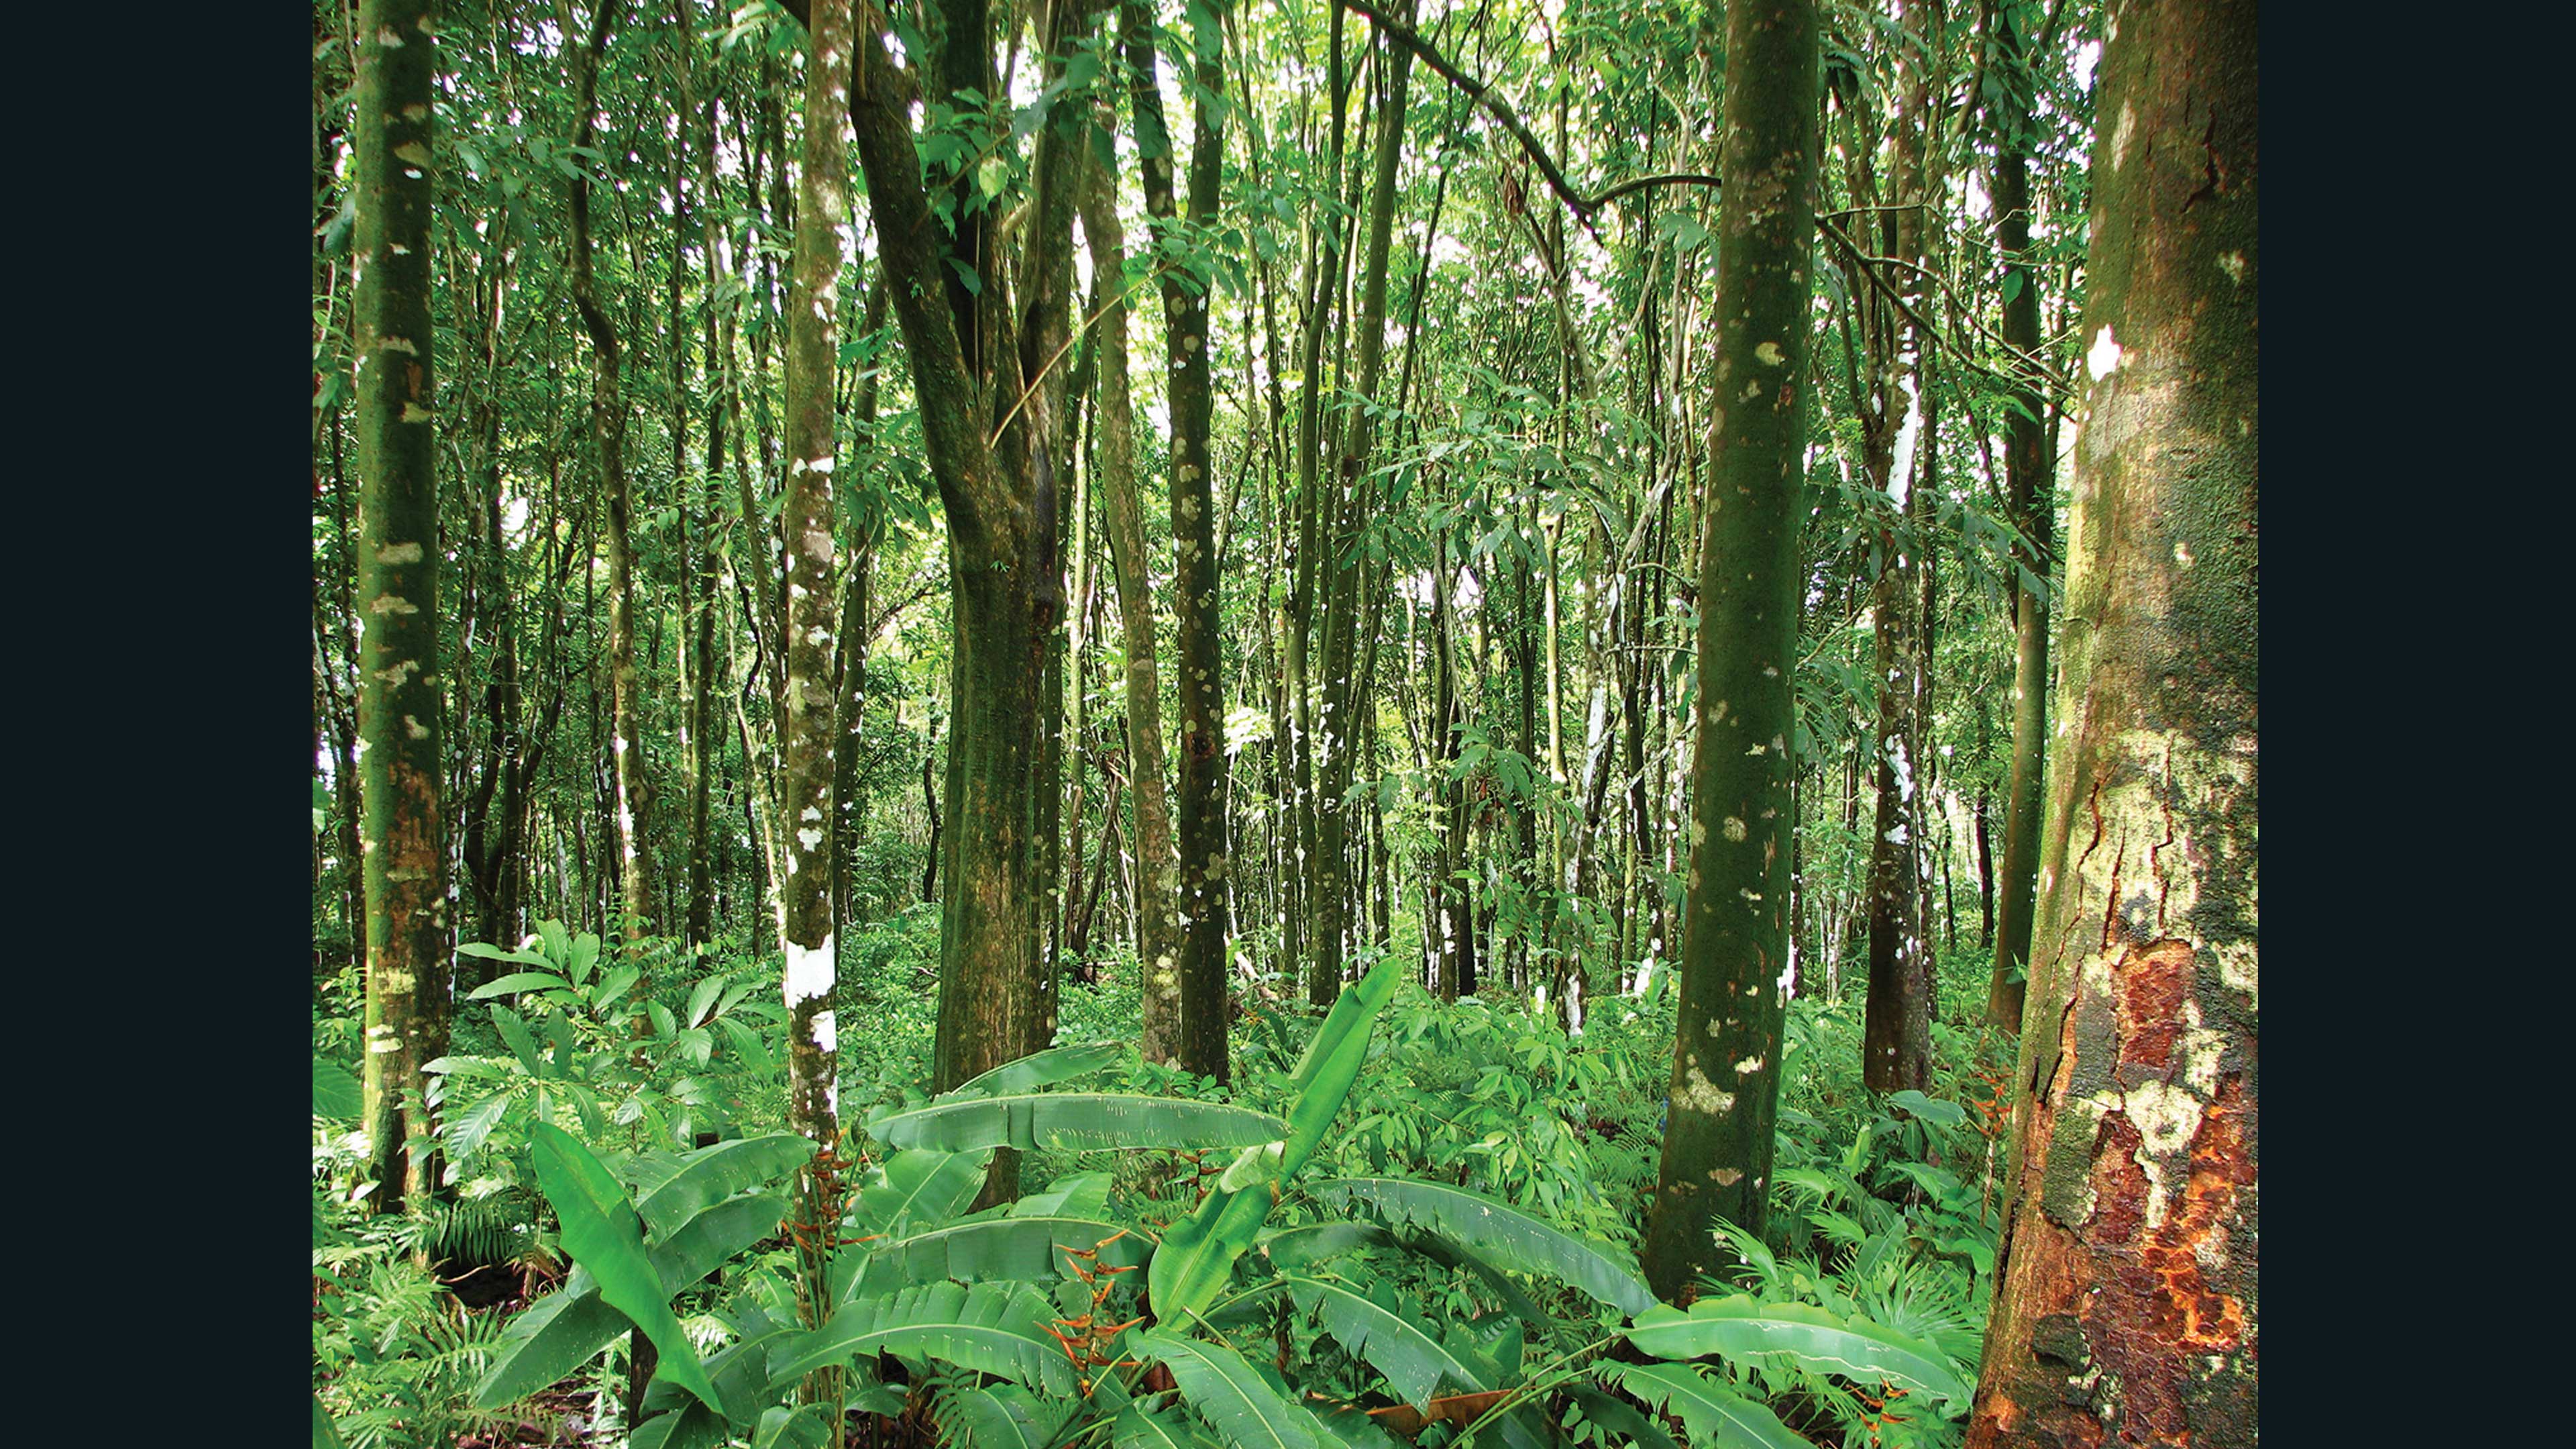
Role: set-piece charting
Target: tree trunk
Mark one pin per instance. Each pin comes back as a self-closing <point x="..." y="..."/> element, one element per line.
<point x="399" y="683"/>
<point x="1192" y="400"/>
<point x="2125" y="1305"/>
<point x="2030" y="478"/>
<point x="807" y="733"/>
<point x="1158" y="942"/>
<point x="1726" y="1054"/>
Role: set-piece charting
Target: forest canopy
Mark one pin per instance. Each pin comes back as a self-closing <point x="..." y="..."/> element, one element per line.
<point x="1328" y="722"/>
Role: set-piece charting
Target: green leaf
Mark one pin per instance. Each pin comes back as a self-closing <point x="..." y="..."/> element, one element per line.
<point x="1303" y="1247"/>
<point x="1003" y="1416"/>
<point x="1747" y="1331"/>
<point x="1038" y="1069"/>
<point x="1224" y="1391"/>
<point x="327" y="1437"/>
<point x="1711" y="1416"/>
<point x="1029" y="1249"/>
<point x="1413" y="1361"/>
<point x="920" y="1186"/>
<point x="514" y="1031"/>
<point x="691" y="1426"/>
<point x="1511" y="1238"/>
<point x="1619" y="1417"/>
<point x="806" y="1426"/>
<point x="336" y="1094"/>
<point x="1077" y="1120"/>
<point x="573" y="1324"/>
<point x="702" y="999"/>
<point x="1137" y="1429"/>
<point x="989" y="1327"/>
<point x="711" y="1174"/>
<point x="1198" y="1255"/>
<point x="518" y="981"/>
<point x="483" y="952"/>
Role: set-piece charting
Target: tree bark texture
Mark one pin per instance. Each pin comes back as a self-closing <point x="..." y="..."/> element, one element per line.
<point x="1735" y="937"/>
<point x="2125" y="1310"/>
<point x="399" y="758"/>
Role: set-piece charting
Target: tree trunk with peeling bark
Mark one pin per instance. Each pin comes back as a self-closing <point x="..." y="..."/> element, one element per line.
<point x="807" y="727"/>
<point x="1735" y="948"/>
<point x="2125" y="1305"/>
<point x="398" y="749"/>
<point x="1157" y="940"/>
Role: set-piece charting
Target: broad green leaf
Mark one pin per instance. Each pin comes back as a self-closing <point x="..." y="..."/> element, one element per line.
<point x="336" y="1094"/>
<point x="803" y="1427"/>
<point x="1038" y="1069"/>
<point x="1197" y="1256"/>
<point x="1747" y="1331"/>
<point x="1222" y="1389"/>
<point x="702" y="999"/>
<point x="1077" y="1195"/>
<point x="711" y="1174"/>
<point x="518" y="981"/>
<point x="691" y="1426"/>
<point x="514" y="1031"/>
<point x="1413" y="1362"/>
<point x="327" y="1437"/>
<point x="1027" y="1249"/>
<point x="1303" y="1247"/>
<point x="1619" y="1417"/>
<point x="568" y="1327"/>
<point x="994" y="1328"/>
<point x="1137" y="1429"/>
<point x="1711" y="1415"/>
<point x="600" y="1233"/>
<point x="481" y="951"/>
<point x="1509" y="1237"/>
<point x="919" y="1186"/>
<point x="1077" y="1120"/>
<point x="1003" y="1416"/>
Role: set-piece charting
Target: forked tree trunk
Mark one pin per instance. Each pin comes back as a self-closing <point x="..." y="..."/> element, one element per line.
<point x="2125" y="1305"/>
<point x="1735" y="928"/>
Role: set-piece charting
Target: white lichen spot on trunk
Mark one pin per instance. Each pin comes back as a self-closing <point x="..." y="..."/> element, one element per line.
<point x="2103" y="358"/>
<point x="810" y="972"/>
<point x="399" y="553"/>
<point x="827" y="1031"/>
<point x="1699" y="1094"/>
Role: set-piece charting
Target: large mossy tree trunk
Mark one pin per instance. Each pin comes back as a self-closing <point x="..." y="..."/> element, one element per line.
<point x="399" y="759"/>
<point x="1735" y="920"/>
<point x="2125" y="1305"/>
<point x="1157" y="938"/>
<point x="2030" y="482"/>
<point x="1191" y="396"/>
<point x="991" y="436"/>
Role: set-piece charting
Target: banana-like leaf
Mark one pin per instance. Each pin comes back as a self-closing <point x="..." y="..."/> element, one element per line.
<point x="1619" y="1417"/>
<point x="691" y="1426"/>
<point x="1712" y="1415"/>
<point x="518" y="981"/>
<point x="1077" y="1120"/>
<point x="1222" y="1389"/>
<point x="1413" y="1362"/>
<point x="1747" y="1331"/>
<point x="568" y="1327"/>
<point x="1450" y="1254"/>
<point x="1509" y="1237"/>
<point x="1080" y="1195"/>
<point x="710" y="1175"/>
<point x="805" y="1426"/>
<point x="994" y="1328"/>
<point x="1137" y="1429"/>
<point x="1031" y="1249"/>
<point x="1038" y="1069"/>
<point x="1197" y="1256"/>
<point x="1303" y="1247"/>
<point x="600" y="1232"/>
<point x="1004" y="1416"/>
<point x="920" y="1186"/>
